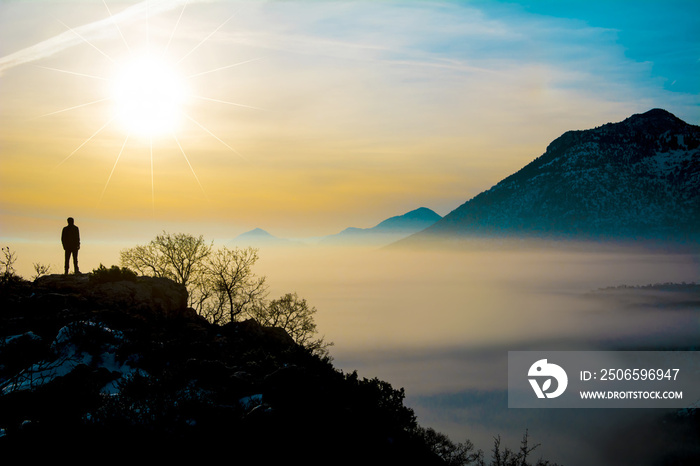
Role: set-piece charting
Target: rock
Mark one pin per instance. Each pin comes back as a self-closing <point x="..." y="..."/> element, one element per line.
<point x="157" y="295"/>
<point x="62" y="283"/>
<point x="152" y="295"/>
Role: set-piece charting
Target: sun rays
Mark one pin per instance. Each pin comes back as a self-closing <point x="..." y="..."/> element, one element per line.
<point x="148" y="93"/>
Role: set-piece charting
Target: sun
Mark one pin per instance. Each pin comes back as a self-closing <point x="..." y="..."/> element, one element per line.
<point x="150" y="97"/>
<point x="148" y="94"/>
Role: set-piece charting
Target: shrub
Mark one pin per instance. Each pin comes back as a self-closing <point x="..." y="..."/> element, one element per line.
<point x="115" y="273"/>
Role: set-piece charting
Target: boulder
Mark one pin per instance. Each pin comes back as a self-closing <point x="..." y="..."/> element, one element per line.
<point x="151" y="295"/>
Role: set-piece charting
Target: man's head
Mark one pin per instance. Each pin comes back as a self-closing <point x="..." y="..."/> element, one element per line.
<point x="70" y="220"/>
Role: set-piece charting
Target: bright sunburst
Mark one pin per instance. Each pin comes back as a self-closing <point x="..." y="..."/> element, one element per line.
<point x="149" y="94"/>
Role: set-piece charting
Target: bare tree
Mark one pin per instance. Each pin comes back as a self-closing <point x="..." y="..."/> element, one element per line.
<point x="40" y="270"/>
<point x="452" y="454"/>
<point x="184" y="255"/>
<point x="179" y="256"/>
<point x="145" y="259"/>
<point x="221" y="285"/>
<point x="294" y="315"/>
<point x="7" y="262"/>
<point x="236" y="290"/>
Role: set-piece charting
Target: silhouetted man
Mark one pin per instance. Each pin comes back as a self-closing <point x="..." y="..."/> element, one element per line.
<point x="70" y="237"/>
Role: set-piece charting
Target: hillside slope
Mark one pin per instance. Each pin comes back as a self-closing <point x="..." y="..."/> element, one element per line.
<point x="124" y="369"/>
<point x="639" y="178"/>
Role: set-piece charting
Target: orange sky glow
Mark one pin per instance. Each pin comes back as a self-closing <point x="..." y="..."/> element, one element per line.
<point x="302" y="118"/>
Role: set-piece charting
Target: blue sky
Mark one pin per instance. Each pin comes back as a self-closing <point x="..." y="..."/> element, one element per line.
<point x="663" y="33"/>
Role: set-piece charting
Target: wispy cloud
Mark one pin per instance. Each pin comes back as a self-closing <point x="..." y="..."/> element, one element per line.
<point x="87" y="32"/>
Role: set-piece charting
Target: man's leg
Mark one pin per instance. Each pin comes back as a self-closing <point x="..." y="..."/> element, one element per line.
<point x="67" y="261"/>
<point x="75" y="261"/>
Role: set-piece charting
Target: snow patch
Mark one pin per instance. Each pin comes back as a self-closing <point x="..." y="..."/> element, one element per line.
<point x="79" y="343"/>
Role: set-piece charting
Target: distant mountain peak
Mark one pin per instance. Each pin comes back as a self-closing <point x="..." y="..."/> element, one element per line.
<point x="256" y="232"/>
<point x="422" y="212"/>
<point x="655" y="114"/>
<point x="389" y="230"/>
<point x="258" y="237"/>
<point x="419" y="216"/>
<point x="653" y="122"/>
<point x="636" y="178"/>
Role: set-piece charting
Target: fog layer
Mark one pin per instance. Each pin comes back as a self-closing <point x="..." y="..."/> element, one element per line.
<point x="440" y="324"/>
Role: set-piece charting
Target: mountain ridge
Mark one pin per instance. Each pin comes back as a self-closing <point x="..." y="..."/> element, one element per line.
<point x="638" y="178"/>
<point x="385" y="232"/>
<point x="388" y="230"/>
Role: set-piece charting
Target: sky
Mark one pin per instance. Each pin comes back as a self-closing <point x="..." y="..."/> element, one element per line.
<point x="307" y="117"/>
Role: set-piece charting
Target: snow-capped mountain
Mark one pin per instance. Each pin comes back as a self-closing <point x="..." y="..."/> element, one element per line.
<point x="639" y="178"/>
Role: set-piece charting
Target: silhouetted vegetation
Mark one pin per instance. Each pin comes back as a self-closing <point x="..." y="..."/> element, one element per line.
<point x="7" y="266"/>
<point x="115" y="273"/>
<point x="667" y="295"/>
<point x="453" y="454"/>
<point x="465" y="454"/>
<point x="179" y="257"/>
<point x="40" y="270"/>
<point x="296" y="317"/>
<point x="667" y="286"/>
<point x="222" y="286"/>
